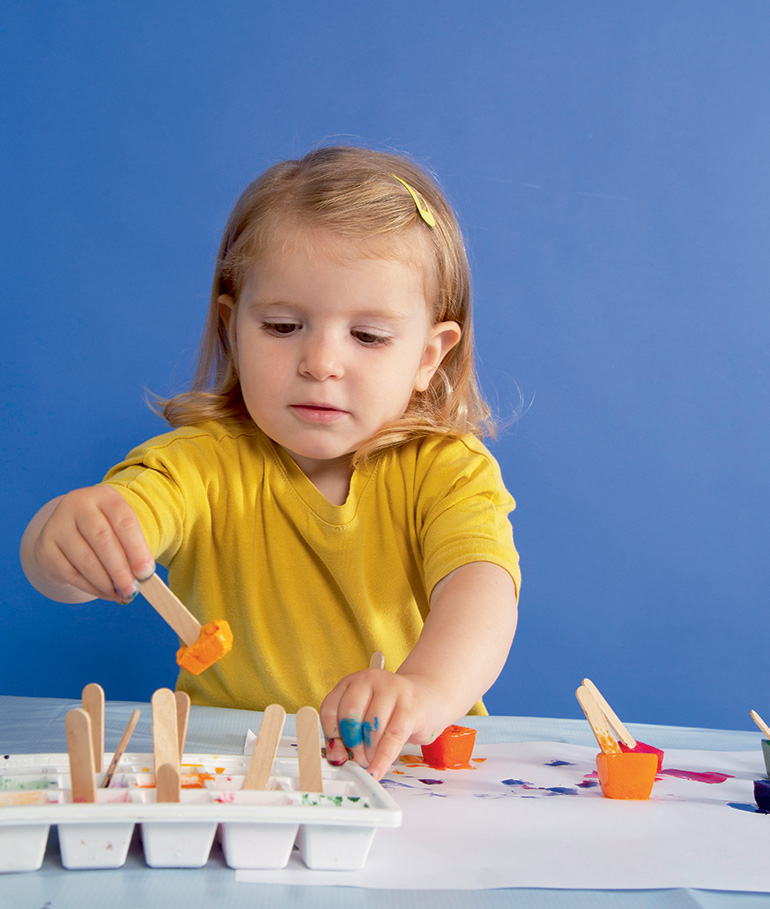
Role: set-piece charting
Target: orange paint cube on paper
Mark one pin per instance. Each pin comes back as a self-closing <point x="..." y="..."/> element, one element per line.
<point x="626" y="775"/>
<point x="214" y="641"/>
<point x="451" y="750"/>
<point x="642" y="747"/>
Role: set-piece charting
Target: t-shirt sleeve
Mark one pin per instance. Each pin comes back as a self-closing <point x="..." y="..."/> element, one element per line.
<point x="463" y="509"/>
<point x="149" y="483"/>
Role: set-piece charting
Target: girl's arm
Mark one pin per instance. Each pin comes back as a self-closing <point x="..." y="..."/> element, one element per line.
<point x="85" y="545"/>
<point x="461" y="651"/>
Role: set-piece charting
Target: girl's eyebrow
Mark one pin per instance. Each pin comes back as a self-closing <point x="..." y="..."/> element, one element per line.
<point x="367" y="311"/>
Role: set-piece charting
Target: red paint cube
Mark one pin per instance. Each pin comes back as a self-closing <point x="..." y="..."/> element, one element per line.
<point x="452" y="750"/>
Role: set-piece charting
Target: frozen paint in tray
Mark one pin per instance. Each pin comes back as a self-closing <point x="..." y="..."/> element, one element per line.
<point x="195" y="780"/>
<point x="332" y="801"/>
<point x="11" y="783"/>
<point x="23" y="797"/>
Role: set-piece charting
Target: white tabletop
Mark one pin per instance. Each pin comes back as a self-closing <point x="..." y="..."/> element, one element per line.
<point x="35" y="725"/>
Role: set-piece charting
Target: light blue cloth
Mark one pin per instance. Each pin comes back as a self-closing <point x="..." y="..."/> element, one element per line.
<point x="36" y="725"/>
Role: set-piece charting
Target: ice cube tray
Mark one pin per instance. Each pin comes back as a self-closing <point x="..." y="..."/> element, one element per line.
<point x="333" y="830"/>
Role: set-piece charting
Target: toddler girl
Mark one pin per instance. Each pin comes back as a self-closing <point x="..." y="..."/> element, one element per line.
<point x="324" y="488"/>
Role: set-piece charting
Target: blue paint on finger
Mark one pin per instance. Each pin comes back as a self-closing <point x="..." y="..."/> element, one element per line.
<point x="367" y="729"/>
<point x="351" y="733"/>
<point x="355" y="733"/>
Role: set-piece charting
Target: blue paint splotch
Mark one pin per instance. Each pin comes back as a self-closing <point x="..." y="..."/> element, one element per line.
<point x="559" y="764"/>
<point x="550" y="790"/>
<point x="432" y="782"/>
<point x="395" y="784"/>
<point x="354" y="732"/>
<point x="746" y="807"/>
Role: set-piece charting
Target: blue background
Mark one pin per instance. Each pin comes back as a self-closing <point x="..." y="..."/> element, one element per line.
<point x="610" y="165"/>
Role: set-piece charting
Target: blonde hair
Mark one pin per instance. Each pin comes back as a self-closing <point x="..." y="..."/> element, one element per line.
<point x="354" y="193"/>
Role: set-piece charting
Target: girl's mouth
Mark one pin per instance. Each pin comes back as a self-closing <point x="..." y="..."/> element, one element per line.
<point x="318" y="413"/>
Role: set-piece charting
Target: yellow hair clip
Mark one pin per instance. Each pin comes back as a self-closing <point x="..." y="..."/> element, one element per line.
<point x="422" y="206"/>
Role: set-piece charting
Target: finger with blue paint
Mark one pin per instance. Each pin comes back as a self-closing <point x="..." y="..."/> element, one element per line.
<point x="351" y="716"/>
<point x="355" y="733"/>
<point x="358" y="732"/>
<point x="357" y="736"/>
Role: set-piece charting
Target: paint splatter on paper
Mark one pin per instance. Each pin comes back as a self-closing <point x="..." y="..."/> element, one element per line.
<point x="711" y="777"/>
<point x="553" y="776"/>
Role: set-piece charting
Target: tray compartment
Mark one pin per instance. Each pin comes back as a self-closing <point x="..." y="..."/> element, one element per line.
<point x="262" y="844"/>
<point x="324" y="847"/>
<point x="177" y="841"/>
<point x="22" y="846"/>
<point x="95" y="843"/>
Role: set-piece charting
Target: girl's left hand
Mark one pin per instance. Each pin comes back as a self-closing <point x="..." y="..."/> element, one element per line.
<point x="370" y="715"/>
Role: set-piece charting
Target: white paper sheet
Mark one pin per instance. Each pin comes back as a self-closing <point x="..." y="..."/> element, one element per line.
<point x="519" y="820"/>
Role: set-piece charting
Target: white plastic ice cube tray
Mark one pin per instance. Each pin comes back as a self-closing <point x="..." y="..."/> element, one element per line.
<point x="257" y="829"/>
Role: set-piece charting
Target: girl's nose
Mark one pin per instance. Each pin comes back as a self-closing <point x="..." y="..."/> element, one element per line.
<point x="321" y="359"/>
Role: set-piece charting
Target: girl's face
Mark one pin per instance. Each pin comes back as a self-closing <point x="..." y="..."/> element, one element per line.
<point x="329" y="345"/>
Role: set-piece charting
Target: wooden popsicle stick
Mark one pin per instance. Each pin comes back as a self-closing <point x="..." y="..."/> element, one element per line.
<point x="309" y="748"/>
<point x="77" y="724"/>
<point x="597" y="721"/>
<point x="377" y="661"/>
<point x="612" y="718"/>
<point x="760" y="723"/>
<point x="165" y="746"/>
<point x="171" y="609"/>
<point x="167" y="783"/>
<point x="265" y="748"/>
<point x="182" y="699"/>
<point x="121" y="749"/>
<point x="93" y="704"/>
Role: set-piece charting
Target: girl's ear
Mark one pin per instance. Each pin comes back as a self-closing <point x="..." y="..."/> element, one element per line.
<point x="226" y="305"/>
<point x="443" y="337"/>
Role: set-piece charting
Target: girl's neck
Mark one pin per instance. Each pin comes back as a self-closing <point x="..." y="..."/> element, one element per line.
<point x="330" y="478"/>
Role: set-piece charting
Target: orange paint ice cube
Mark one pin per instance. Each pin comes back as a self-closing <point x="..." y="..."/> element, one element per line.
<point x="451" y="750"/>
<point x="214" y="641"/>
<point x="626" y="775"/>
<point x="642" y="747"/>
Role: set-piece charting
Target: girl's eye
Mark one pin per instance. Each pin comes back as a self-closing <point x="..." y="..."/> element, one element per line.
<point x="370" y="339"/>
<point x="279" y="328"/>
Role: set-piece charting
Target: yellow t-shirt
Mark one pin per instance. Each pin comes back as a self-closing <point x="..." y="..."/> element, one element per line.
<point x="310" y="589"/>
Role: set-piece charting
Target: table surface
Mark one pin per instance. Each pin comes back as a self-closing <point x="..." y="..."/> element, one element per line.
<point x="36" y="725"/>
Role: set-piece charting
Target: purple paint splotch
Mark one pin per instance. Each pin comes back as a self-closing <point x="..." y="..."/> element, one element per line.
<point x="551" y="790"/>
<point x="696" y="776"/>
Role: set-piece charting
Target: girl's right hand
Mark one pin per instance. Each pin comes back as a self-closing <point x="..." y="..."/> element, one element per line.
<point x="86" y="542"/>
